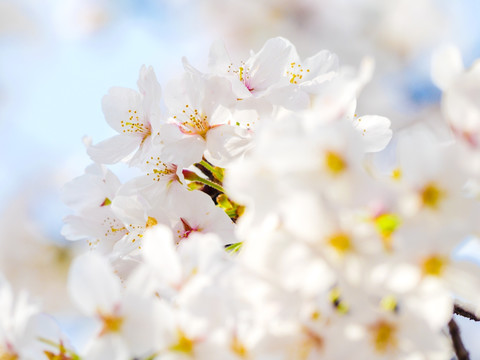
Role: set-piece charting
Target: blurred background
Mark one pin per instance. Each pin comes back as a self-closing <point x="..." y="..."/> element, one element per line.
<point x="59" y="57"/>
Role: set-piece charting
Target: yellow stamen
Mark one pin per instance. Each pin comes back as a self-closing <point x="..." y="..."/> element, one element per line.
<point x="111" y="323"/>
<point x="396" y="174"/>
<point x="340" y="242"/>
<point x="184" y="344"/>
<point x="151" y="221"/>
<point x="434" y="265"/>
<point x="238" y="348"/>
<point x="432" y="195"/>
<point x="335" y="163"/>
<point x="384" y="336"/>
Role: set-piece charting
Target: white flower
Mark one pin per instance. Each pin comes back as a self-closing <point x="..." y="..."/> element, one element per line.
<point x="135" y="116"/>
<point x="91" y="196"/>
<point x="200" y="122"/>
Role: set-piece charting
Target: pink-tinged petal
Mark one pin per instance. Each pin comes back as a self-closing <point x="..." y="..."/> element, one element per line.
<point x="374" y="130"/>
<point x="227" y="143"/>
<point x="113" y="150"/>
<point x="92" y="285"/>
<point x="197" y="210"/>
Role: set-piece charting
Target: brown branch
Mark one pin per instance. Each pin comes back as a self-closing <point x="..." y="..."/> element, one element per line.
<point x="460" y="351"/>
<point x="458" y="310"/>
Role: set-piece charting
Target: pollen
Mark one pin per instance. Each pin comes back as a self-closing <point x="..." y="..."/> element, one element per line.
<point x="135" y="125"/>
<point x="431" y="196"/>
<point x="434" y="265"/>
<point x="384" y="336"/>
<point x="396" y="174"/>
<point x="160" y="170"/>
<point x="296" y="72"/>
<point x="151" y="221"/>
<point x="335" y="163"/>
<point x="341" y="242"/>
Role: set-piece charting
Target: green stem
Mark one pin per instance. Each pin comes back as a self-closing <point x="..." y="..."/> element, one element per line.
<point x="190" y="175"/>
<point x="215" y="171"/>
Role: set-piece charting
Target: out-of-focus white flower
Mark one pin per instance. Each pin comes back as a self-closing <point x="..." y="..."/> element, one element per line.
<point x="76" y="19"/>
<point x="460" y="91"/>
<point x="98" y="293"/>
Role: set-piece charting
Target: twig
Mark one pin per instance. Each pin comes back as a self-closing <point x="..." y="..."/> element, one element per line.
<point x="460" y="351"/>
<point x="459" y="310"/>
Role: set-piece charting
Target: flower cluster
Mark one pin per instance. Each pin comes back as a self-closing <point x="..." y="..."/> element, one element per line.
<point x="268" y="223"/>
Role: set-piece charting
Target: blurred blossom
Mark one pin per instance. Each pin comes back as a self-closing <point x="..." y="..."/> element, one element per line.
<point x="80" y="18"/>
<point x="60" y="57"/>
<point x="15" y="19"/>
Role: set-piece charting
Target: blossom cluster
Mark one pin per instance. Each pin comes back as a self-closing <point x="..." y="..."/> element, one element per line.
<point x="267" y="222"/>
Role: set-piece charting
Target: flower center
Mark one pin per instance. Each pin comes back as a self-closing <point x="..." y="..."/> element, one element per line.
<point x="184" y="344"/>
<point x="238" y="348"/>
<point x="434" y="265"/>
<point x="8" y="354"/>
<point x="243" y="73"/>
<point x="341" y="242"/>
<point x="335" y="163"/>
<point x="193" y="122"/>
<point x="135" y="126"/>
<point x="111" y="323"/>
<point x="383" y="336"/>
<point x="432" y="195"/>
<point x="187" y="229"/>
<point x="161" y="170"/>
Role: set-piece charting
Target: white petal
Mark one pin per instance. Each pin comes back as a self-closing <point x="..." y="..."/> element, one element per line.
<point x="227" y="143"/>
<point x="375" y="131"/>
<point x="120" y="104"/>
<point x="218" y="59"/>
<point x="159" y="252"/>
<point x="114" y="149"/>
<point x="446" y="65"/>
<point x="268" y="66"/>
<point x="92" y="284"/>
